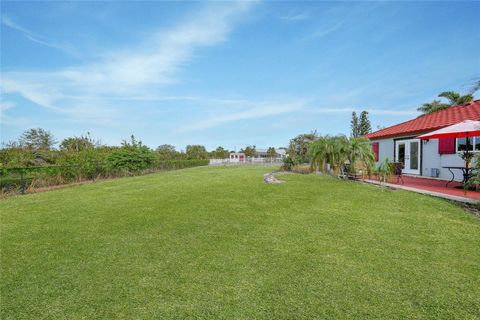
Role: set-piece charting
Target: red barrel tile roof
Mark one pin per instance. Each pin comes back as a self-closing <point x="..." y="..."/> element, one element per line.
<point x="431" y="122"/>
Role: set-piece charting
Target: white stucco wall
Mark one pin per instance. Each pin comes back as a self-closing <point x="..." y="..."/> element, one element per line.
<point x="430" y="158"/>
<point x="385" y="150"/>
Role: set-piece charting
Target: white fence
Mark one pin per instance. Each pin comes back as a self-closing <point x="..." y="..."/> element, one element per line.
<point x="248" y="160"/>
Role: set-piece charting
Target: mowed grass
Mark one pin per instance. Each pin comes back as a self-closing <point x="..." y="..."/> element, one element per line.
<point x="218" y="243"/>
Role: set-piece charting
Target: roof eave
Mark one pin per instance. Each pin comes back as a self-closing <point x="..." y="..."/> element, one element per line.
<point x="403" y="134"/>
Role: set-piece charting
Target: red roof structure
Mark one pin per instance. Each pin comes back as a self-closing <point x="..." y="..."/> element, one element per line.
<point x="431" y="122"/>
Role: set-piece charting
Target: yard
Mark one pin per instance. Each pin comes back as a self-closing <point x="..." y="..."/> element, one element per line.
<point x="217" y="243"/>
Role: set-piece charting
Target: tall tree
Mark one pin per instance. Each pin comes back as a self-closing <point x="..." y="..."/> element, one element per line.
<point x="166" y="152"/>
<point x="453" y="98"/>
<point x="37" y="138"/>
<point x="250" y="151"/>
<point x="78" y="143"/>
<point x="475" y="87"/>
<point x="298" y="147"/>
<point x="434" y="106"/>
<point x="365" y="127"/>
<point x="354" y="125"/>
<point x="271" y="152"/>
<point x="220" y="153"/>
<point x="196" y="152"/>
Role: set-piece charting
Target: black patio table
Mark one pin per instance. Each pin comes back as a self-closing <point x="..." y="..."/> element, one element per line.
<point x="467" y="174"/>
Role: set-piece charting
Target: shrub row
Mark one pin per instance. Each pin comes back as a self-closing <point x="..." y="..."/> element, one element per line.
<point x="70" y="171"/>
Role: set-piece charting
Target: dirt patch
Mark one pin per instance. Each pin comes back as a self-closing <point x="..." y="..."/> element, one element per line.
<point x="269" y="178"/>
<point x="471" y="208"/>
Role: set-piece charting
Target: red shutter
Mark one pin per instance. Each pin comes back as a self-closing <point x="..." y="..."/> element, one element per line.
<point x="375" y="150"/>
<point x="446" y="146"/>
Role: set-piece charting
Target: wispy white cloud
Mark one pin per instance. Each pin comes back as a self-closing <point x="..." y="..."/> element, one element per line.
<point x="268" y="109"/>
<point x="7" y="21"/>
<point x="6" y="105"/>
<point x="96" y="92"/>
<point x="31" y="87"/>
<point x="154" y="98"/>
<point x="256" y="111"/>
<point x="392" y="112"/>
<point x="340" y="17"/>
<point x="326" y="30"/>
<point x="8" y="120"/>
<point x="138" y="71"/>
<point x="295" y="17"/>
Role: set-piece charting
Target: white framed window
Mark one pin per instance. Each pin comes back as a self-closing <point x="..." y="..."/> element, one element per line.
<point x="473" y="144"/>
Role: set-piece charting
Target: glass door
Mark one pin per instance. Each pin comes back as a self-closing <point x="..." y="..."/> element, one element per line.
<point x="408" y="153"/>
<point x="414" y="165"/>
<point x="401" y="153"/>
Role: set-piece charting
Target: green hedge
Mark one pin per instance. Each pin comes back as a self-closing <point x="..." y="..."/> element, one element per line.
<point x="90" y="169"/>
<point x="180" y="164"/>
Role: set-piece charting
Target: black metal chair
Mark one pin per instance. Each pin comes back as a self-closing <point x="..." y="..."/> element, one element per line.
<point x="348" y="174"/>
<point x="397" y="170"/>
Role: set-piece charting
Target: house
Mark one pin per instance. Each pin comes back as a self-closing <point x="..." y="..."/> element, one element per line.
<point x="237" y="157"/>
<point x="427" y="158"/>
<point x="263" y="153"/>
<point x="261" y="156"/>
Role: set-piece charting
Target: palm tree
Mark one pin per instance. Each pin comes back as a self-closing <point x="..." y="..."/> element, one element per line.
<point x="475" y="87"/>
<point x="318" y="153"/>
<point x="434" y="106"/>
<point x="454" y="98"/>
<point x="340" y="147"/>
<point x="329" y="150"/>
<point x="360" y="149"/>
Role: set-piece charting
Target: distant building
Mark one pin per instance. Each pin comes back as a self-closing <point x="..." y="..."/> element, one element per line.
<point x="262" y="153"/>
<point x="237" y="157"/>
<point x="261" y="156"/>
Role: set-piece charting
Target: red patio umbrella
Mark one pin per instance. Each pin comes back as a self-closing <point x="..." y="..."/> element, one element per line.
<point x="464" y="129"/>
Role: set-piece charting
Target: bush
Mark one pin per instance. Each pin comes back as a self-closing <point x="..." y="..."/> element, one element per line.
<point x="79" y="167"/>
<point x="302" y="169"/>
<point x="16" y="157"/>
<point x="288" y="164"/>
<point x="131" y="157"/>
<point x="81" y="159"/>
<point x="385" y="170"/>
<point x="85" y="164"/>
<point x="474" y="181"/>
<point x="181" y="164"/>
<point x="129" y="160"/>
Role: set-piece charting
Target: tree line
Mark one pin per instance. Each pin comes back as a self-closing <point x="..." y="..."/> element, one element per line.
<point x="39" y="142"/>
<point x="38" y="160"/>
<point x="36" y="147"/>
<point x="34" y="162"/>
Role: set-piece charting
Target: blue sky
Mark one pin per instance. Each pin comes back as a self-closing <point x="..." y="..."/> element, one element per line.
<point x="227" y="73"/>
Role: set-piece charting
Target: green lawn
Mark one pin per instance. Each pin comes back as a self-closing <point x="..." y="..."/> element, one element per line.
<point x="218" y="243"/>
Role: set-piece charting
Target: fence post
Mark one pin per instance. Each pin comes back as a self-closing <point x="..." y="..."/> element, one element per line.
<point x="22" y="182"/>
